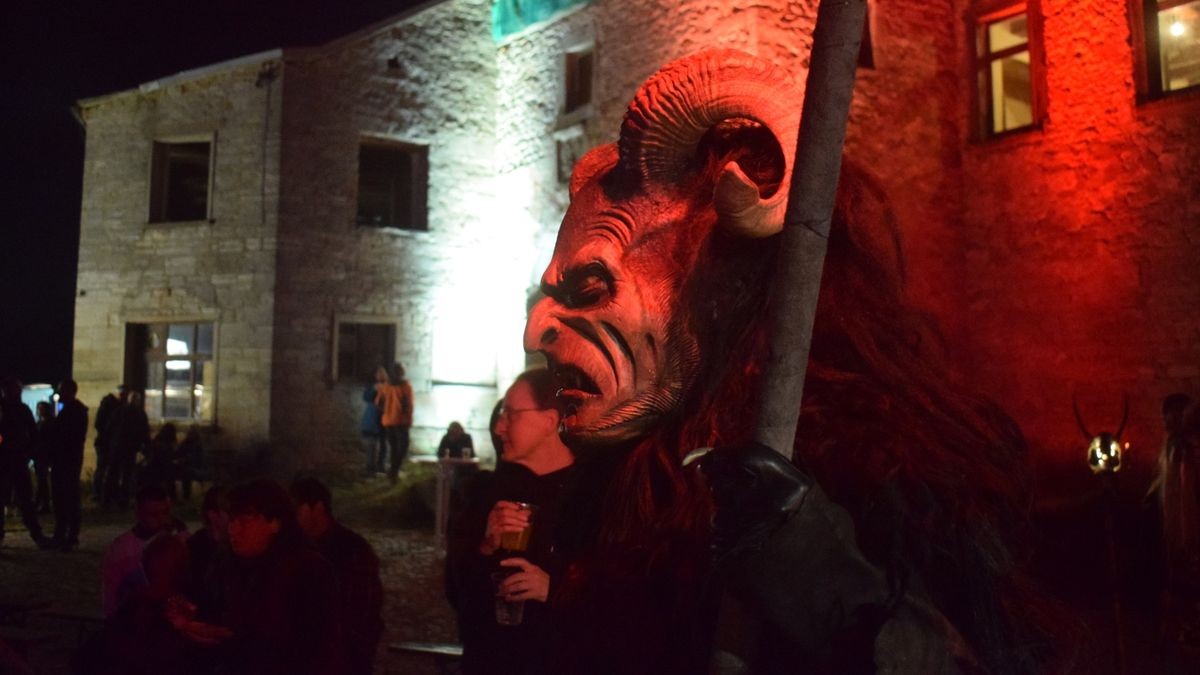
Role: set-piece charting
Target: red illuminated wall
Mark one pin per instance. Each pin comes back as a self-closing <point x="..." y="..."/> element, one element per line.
<point x="1082" y="243"/>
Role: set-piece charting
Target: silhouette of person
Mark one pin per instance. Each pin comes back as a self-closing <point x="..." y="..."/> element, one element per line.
<point x="17" y="435"/>
<point x="69" y="433"/>
<point x="105" y="413"/>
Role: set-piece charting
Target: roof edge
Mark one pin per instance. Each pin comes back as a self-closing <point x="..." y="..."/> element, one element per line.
<point x="185" y="76"/>
<point x="380" y="25"/>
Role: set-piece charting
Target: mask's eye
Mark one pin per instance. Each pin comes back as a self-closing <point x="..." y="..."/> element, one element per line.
<point x="586" y="286"/>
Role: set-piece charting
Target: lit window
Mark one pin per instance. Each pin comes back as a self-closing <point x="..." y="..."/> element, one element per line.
<point x="179" y="181"/>
<point x="1172" y="45"/>
<point x="392" y="183"/>
<point x="362" y="348"/>
<point x="577" y="80"/>
<point x="1004" y="75"/>
<point x="175" y="369"/>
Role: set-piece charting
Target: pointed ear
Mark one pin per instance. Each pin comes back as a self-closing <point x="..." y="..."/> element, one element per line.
<point x="592" y="163"/>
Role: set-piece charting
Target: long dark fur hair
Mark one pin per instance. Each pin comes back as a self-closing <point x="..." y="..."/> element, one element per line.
<point x="934" y="476"/>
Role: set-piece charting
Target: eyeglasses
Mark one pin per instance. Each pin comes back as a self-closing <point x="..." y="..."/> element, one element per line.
<point x="508" y="413"/>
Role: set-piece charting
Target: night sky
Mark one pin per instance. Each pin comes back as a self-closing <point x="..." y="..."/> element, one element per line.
<point x="55" y="53"/>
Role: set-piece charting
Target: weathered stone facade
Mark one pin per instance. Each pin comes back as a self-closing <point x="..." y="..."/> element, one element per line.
<point x="1053" y="258"/>
<point x="220" y="270"/>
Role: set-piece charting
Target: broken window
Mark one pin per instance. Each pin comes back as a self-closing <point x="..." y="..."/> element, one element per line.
<point x="180" y="176"/>
<point x="362" y="348"/>
<point x="577" y="79"/>
<point x="392" y="185"/>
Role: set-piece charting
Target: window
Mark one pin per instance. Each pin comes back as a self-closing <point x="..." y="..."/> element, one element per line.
<point x="1172" y="30"/>
<point x="577" y="80"/>
<point x="363" y="347"/>
<point x="173" y="364"/>
<point x="1004" y="77"/>
<point x="179" y="181"/>
<point x="392" y="182"/>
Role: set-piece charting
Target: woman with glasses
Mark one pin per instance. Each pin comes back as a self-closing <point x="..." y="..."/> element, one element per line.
<point x="505" y="550"/>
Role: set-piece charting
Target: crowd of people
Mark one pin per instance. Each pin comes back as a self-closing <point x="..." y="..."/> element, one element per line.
<point x="127" y="456"/>
<point x="272" y="583"/>
<point x="54" y="443"/>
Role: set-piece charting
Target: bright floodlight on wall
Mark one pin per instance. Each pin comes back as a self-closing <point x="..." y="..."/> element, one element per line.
<point x="1178" y="29"/>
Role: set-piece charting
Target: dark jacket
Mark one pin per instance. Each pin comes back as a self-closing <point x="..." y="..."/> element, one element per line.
<point x="282" y="608"/>
<point x="18" y="431"/>
<point x="360" y="593"/>
<point x="488" y="647"/>
<point x="104" y="417"/>
<point x="68" y="435"/>
<point x="370" y="425"/>
<point x="129" y="431"/>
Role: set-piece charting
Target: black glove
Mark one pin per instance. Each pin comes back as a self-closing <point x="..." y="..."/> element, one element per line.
<point x="754" y="488"/>
<point x="788" y="554"/>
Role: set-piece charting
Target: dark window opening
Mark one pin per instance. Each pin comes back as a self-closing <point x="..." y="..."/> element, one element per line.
<point x="577" y="81"/>
<point x="173" y="364"/>
<point x="392" y="184"/>
<point x="1004" y="75"/>
<point x="363" y="347"/>
<point x="1172" y="31"/>
<point x="179" y="181"/>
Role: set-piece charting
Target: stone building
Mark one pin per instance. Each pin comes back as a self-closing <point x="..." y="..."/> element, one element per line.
<point x="258" y="234"/>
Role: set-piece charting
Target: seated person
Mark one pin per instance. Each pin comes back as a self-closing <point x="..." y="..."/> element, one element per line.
<point x="280" y="595"/>
<point x="140" y="637"/>
<point x="456" y="443"/>
<point x="360" y="590"/>
<point x="121" y="570"/>
<point x="209" y="551"/>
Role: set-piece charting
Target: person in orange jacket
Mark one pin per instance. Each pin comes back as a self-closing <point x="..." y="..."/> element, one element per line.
<point x="394" y="397"/>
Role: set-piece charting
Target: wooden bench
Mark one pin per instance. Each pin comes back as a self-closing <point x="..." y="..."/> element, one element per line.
<point x="446" y="655"/>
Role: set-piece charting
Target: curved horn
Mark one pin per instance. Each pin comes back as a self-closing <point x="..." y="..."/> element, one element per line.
<point x="593" y="162"/>
<point x="1124" y="415"/>
<point x="1079" y="418"/>
<point x="675" y="108"/>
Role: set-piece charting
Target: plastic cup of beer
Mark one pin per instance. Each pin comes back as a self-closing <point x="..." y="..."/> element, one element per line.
<point x="519" y="541"/>
<point x="508" y="612"/>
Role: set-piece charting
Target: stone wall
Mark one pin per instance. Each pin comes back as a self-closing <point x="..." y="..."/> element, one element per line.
<point x="222" y="270"/>
<point x="1082" y="244"/>
<point x="439" y="91"/>
<point x="1057" y="261"/>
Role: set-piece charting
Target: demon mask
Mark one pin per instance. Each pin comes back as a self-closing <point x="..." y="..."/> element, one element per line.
<point x="703" y="161"/>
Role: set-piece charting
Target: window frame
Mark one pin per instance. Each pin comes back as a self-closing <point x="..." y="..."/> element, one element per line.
<point x="978" y="19"/>
<point x="418" y="220"/>
<point x="1148" y="53"/>
<point x="335" y="377"/>
<point x="156" y="193"/>
<point x="569" y="116"/>
<point x="136" y="368"/>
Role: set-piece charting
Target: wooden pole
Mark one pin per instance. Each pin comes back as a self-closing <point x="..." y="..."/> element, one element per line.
<point x="793" y="302"/>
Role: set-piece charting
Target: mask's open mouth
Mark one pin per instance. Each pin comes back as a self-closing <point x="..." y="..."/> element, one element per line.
<point x="574" y="389"/>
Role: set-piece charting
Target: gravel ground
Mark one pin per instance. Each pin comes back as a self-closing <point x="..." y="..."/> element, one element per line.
<point x="415" y="608"/>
